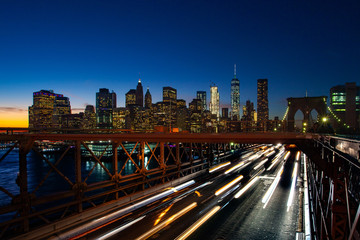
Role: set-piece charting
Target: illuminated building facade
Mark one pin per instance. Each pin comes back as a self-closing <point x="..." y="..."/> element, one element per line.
<point x="202" y="96"/>
<point x="89" y="117"/>
<point x="249" y="117"/>
<point x="180" y="103"/>
<point x="45" y="107"/>
<point x="215" y="101"/>
<point x="130" y="98"/>
<point x="169" y="95"/>
<point x="104" y="107"/>
<point x="235" y="97"/>
<point x="345" y="104"/>
<point x="61" y="108"/>
<point x="262" y="100"/>
<point x="120" y="118"/>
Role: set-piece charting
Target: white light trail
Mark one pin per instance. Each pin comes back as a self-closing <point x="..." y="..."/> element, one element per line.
<point x="227" y="186"/>
<point x="274" y="161"/>
<point x="218" y="167"/>
<point x="115" y="231"/>
<point x="244" y="189"/>
<point x="272" y="187"/>
<point x="260" y="164"/>
<point x="298" y="156"/>
<point x="198" y="223"/>
<point x="292" y="190"/>
<point x="270" y="153"/>
<point x="287" y="155"/>
<point x="100" y="221"/>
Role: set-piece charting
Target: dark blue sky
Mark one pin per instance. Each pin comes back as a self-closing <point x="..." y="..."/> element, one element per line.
<point x="77" y="47"/>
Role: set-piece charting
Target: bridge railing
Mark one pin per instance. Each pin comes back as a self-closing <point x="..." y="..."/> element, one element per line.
<point x="334" y="174"/>
<point x="56" y="172"/>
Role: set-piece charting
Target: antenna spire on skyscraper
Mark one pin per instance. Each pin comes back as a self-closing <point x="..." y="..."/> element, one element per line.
<point x="139" y="78"/>
<point x="235" y="70"/>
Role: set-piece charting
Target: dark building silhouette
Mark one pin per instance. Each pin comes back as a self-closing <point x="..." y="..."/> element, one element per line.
<point x="104" y="106"/>
<point x="148" y="99"/>
<point x="139" y="100"/>
<point x="262" y="100"/>
<point x="225" y="113"/>
<point x="202" y="96"/>
<point x="113" y="97"/>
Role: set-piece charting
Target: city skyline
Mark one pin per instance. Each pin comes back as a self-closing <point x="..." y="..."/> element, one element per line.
<point x="78" y="48"/>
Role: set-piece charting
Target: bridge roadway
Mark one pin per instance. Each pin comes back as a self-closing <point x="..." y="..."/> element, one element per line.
<point x="236" y="218"/>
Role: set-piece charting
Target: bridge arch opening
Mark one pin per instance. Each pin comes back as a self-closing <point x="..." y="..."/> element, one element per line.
<point x="312" y="109"/>
<point x="298" y="120"/>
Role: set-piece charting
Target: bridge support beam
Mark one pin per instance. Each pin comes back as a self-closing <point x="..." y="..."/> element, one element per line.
<point x="78" y="188"/>
<point x="22" y="181"/>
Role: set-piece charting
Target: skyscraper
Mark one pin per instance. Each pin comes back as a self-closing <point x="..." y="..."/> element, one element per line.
<point x="104" y="108"/>
<point x="345" y="104"/>
<point x="61" y="108"/>
<point x="46" y="105"/>
<point x="235" y="97"/>
<point x="148" y="99"/>
<point x="169" y="95"/>
<point x="113" y="97"/>
<point x="215" y="101"/>
<point x="139" y="94"/>
<point x="202" y="96"/>
<point x="262" y="100"/>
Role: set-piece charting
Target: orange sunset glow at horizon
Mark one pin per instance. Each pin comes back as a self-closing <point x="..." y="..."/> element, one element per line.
<point x="14" y="119"/>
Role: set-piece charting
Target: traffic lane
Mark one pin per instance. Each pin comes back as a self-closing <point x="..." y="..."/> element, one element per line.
<point x="245" y="218"/>
<point x="207" y="193"/>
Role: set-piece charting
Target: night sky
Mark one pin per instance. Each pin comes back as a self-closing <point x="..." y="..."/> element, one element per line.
<point x="77" y="47"/>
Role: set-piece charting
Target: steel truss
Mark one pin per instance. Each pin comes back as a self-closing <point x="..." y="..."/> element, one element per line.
<point x="169" y="161"/>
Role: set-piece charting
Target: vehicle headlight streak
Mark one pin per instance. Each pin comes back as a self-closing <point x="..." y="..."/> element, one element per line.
<point x="103" y="220"/>
<point x="198" y="223"/>
<point x="292" y="190"/>
<point x="234" y="168"/>
<point x="244" y="189"/>
<point x="113" y="232"/>
<point x="227" y="186"/>
<point x="218" y="167"/>
<point x="162" y="214"/>
<point x="272" y="187"/>
<point x="167" y="222"/>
